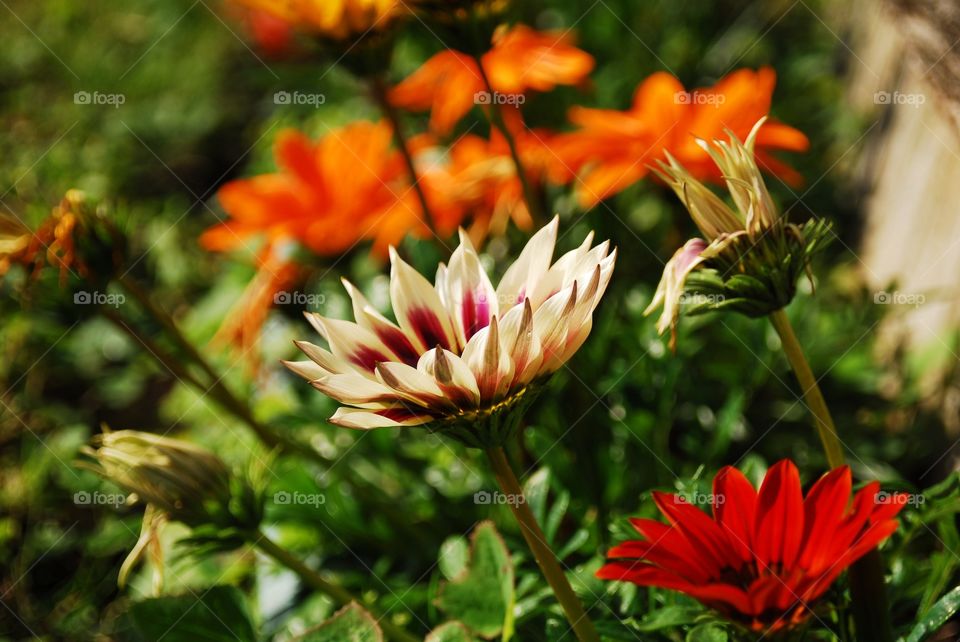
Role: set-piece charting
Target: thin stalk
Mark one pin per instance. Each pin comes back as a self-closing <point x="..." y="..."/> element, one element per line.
<point x="240" y="409"/>
<point x="537" y="541"/>
<point x="871" y="612"/>
<point x="379" y="90"/>
<point x="215" y="387"/>
<point x="496" y="119"/>
<point x="316" y="581"/>
<point x="811" y="391"/>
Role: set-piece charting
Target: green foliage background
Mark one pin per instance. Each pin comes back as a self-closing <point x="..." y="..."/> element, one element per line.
<point x="626" y="416"/>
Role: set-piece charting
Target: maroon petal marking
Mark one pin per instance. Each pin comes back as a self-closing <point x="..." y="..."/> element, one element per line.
<point x="368" y="358"/>
<point x="475" y="312"/>
<point x="428" y="328"/>
<point x="399" y="414"/>
<point x="396" y="340"/>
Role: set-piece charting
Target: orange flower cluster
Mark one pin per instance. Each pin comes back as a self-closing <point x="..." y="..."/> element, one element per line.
<point x="349" y="186"/>
<point x="522" y="59"/>
<point x="476" y="179"/>
<point x="614" y="149"/>
<point x="51" y="244"/>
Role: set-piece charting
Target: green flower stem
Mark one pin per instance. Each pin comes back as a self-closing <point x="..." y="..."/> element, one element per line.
<point x="546" y="559"/>
<point x="811" y="391"/>
<point x="216" y="388"/>
<point x="871" y="612"/>
<point x="240" y="409"/>
<point x="316" y="581"/>
<point x="496" y="119"/>
<point x="379" y="90"/>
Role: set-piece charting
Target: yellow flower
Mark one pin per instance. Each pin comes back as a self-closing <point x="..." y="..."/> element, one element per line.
<point x="336" y="19"/>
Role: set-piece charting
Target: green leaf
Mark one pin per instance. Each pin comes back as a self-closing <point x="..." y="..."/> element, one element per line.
<point x="482" y="596"/>
<point x="936" y="617"/>
<point x="708" y="632"/>
<point x="668" y="618"/>
<point x="217" y="615"/>
<point x="349" y="624"/>
<point x="450" y="632"/>
<point x="535" y="490"/>
<point x="454" y="554"/>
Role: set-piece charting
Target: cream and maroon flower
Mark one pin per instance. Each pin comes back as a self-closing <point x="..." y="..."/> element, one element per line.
<point x="462" y="353"/>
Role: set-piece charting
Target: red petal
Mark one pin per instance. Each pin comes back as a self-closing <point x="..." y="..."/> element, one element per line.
<point x="697" y="528"/>
<point x="823" y="510"/>
<point x="734" y="509"/>
<point x="779" y="526"/>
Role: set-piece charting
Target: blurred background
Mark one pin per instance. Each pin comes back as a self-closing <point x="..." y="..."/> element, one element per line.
<point x="872" y="84"/>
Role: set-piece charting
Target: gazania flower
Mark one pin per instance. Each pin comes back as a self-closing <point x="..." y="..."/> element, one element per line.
<point x="522" y="59"/>
<point x="463" y="354"/>
<point x="766" y="556"/>
<point x="177" y="481"/>
<point x="337" y="19"/>
<point x="750" y="256"/>
<point x="614" y="149"/>
<point x="329" y="195"/>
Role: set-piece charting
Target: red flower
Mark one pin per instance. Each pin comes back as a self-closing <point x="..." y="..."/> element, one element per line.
<point x="765" y="557"/>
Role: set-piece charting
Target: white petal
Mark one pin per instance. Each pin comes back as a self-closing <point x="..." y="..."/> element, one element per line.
<point x="467" y="291"/>
<point x="576" y="265"/>
<point x="413" y="385"/>
<point x="366" y="420"/>
<point x="492" y="367"/>
<point x="358" y="347"/>
<point x="452" y="375"/>
<point x="530" y="267"/>
<point x="355" y="390"/>
<point x="388" y="332"/>
<point x="418" y="308"/>
<point x="309" y="370"/>
<point x="551" y="322"/>
<point x="518" y="339"/>
<point x="323" y="358"/>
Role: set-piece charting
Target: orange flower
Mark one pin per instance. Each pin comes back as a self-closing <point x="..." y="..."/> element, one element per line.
<point x="241" y="326"/>
<point x="331" y="18"/>
<point x="522" y="59"/>
<point x="614" y="149"/>
<point x="329" y="195"/>
<point x="52" y="244"/>
<point x="476" y="178"/>
<point x="273" y="36"/>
